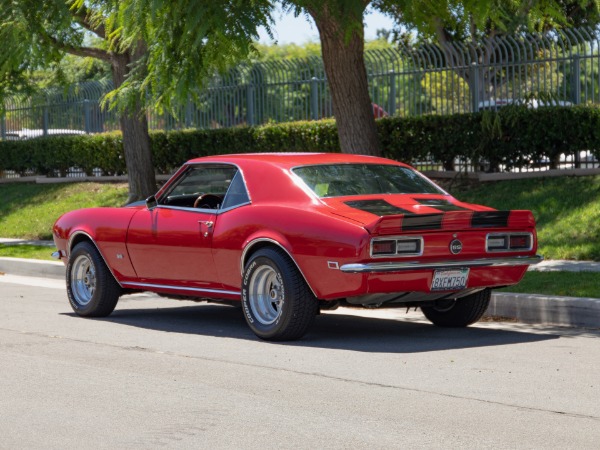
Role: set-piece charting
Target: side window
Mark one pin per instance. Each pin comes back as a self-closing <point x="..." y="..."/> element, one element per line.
<point x="237" y="193"/>
<point x="203" y="186"/>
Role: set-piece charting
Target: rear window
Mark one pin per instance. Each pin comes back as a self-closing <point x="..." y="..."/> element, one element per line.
<point x="332" y="180"/>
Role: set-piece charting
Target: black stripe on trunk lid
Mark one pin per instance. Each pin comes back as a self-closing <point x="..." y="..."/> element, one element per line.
<point x="377" y="207"/>
<point x="439" y="204"/>
<point x="490" y="219"/>
<point x="416" y="222"/>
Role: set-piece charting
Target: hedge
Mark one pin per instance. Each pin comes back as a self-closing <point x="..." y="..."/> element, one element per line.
<point x="515" y="136"/>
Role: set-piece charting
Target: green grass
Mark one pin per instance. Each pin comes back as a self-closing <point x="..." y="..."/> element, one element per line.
<point x="27" y="251"/>
<point x="567" y="211"/>
<point x="29" y="210"/>
<point x="570" y="284"/>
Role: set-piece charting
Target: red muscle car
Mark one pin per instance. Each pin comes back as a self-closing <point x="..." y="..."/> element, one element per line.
<point x="288" y="234"/>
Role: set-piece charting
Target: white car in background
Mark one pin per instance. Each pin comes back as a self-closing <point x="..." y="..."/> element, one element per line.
<point x="534" y="103"/>
<point x="26" y="133"/>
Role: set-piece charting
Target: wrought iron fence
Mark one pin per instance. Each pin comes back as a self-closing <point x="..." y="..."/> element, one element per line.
<point x="558" y="68"/>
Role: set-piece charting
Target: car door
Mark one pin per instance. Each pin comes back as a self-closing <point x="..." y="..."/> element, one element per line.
<point x="171" y="244"/>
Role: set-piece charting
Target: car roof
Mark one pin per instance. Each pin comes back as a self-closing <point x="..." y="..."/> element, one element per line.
<point x="289" y="160"/>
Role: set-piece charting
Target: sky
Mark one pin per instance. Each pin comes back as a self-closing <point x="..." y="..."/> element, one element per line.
<point x="297" y="30"/>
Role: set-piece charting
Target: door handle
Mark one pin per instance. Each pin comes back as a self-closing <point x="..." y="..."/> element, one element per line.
<point x="205" y="226"/>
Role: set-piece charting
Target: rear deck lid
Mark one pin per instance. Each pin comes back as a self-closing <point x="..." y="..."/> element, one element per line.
<point x="400" y="213"/>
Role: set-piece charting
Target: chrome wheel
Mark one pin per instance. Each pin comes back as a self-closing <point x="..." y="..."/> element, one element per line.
<point x="266" y="295"/>
<point x="278" y="304"/>
<point x="83" y="280"/>
<point x="92" y="289"/>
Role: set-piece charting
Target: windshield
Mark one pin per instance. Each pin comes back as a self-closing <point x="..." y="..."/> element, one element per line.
<point x="332" y="180"/>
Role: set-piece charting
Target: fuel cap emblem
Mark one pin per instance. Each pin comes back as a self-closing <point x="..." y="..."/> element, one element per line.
<point x="455" y="247"/>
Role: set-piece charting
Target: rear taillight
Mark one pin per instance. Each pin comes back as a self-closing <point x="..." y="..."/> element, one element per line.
<point x="397" y="246"/>
<point x="387" y="247"/>
<point x="509" y="242"/>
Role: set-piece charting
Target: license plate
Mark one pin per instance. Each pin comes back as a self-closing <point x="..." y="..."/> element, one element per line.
<point x="450" y="280"/>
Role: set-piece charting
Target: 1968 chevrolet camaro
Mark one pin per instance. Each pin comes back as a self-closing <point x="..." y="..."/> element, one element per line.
<point x="288" y="234"/>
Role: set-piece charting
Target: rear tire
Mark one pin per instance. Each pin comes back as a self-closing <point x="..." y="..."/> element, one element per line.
<point x="91" y="288"/>
<point x="278" y="304"/>
<point x="460" y="312"/>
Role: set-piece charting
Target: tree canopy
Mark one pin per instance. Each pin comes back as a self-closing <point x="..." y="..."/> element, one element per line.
<point x="157" y="47"/>
<point x="160" y="51"/>
<point x="469" y="20"/>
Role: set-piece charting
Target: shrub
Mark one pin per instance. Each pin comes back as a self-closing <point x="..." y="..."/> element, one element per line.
<point x="515" y="136"/>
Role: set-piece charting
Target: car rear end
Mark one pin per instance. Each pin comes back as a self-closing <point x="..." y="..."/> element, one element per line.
<point x="419" y="244"/>
<point x="442" y="254"/>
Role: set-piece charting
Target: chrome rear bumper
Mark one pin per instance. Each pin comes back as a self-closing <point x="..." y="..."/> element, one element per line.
<point x="417" y="265"/>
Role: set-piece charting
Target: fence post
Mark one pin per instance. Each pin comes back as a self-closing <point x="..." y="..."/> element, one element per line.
<point x="314" y="98"/>
<point x="576" y="79"/>
<point x="474" y="77"/>
<point x="392" y="102"/>
<point x="167" y="119"/>
<point x="45" y="120"/>
<point x="87" y="116"/>
<point x="189" y="115"/>
<point x="3" y="126"/>
<point x="577" y="96"/>
<point x="250" y="104"/>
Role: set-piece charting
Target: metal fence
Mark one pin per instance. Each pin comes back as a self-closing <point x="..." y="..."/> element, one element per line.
<point x="561" y="67"/>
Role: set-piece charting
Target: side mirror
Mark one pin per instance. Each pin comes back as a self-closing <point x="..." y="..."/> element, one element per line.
<point x="151" y="202"/>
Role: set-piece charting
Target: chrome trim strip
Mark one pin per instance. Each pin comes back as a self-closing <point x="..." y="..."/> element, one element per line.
<point x="272" y="241"/>
<point x="417" y="265"/>
<point x="189" y="209"/>
<point x="250" y="244"/>
<point x="401" y="164"/>
<point x="216" y="212"/>
<point x="70" y="247"/>
<point x="179" y="288"/>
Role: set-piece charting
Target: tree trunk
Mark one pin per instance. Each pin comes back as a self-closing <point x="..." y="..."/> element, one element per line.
<point x="136" y="139"/>
<point x="344" y="63"/>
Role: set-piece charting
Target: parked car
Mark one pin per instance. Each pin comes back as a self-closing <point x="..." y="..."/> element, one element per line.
<point x="26" y="133"/>
<point x="288" y="234"/>
<point x="532" y="103"/>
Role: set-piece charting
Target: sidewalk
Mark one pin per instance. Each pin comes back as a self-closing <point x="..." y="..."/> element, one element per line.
<point x="9" y="241"/>
<point x="528" y="308"/>
<point x="563" y="265"/>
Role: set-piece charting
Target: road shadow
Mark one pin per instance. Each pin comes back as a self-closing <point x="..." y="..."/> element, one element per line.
<point x="331" y="331"/>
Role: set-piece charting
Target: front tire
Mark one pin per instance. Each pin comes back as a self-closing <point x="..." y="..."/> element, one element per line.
<point x="460" y="312"/>
<point x="278" y="304"/>
<point x="91" y="288"/>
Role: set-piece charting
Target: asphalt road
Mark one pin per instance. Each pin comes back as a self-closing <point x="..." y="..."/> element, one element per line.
<point x="162" y="373"/>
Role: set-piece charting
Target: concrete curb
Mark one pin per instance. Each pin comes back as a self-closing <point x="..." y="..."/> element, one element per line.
<point x="527" y="308"/>
<point x="546" y="310"/>
<point x="32" y="267"/>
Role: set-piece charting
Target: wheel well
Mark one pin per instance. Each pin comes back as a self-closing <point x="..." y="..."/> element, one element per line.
<point x="253" y="248"/>
<point x="256" y="247"/>
<point x="84" y="237"/>
<point x="78" y="238"/>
